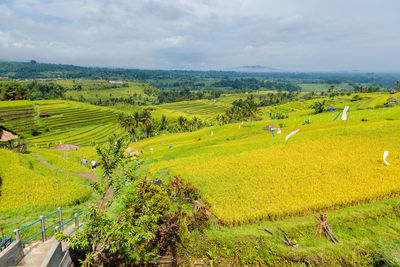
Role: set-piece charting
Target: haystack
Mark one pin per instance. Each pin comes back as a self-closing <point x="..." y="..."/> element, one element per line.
<point x="7" y="135"/>
<point x="130" y="152"/>
<point x="270" y="127"/>
<point x="65" y="147"/>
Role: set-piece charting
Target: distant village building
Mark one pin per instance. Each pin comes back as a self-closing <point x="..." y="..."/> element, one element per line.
<point x="116" y="82"/>
<point x="150" y="109"/>
<point x="258" y="119"/>
<point x="44" y="115"/>
<point x="3" y="78"/>
<point x="301" y="100"/>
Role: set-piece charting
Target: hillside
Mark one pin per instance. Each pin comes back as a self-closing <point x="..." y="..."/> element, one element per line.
<point x="246" y="175"/>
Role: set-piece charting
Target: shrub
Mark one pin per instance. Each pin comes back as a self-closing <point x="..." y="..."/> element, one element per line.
<point x="35" y="132"/>
<point x="278" y="115"/>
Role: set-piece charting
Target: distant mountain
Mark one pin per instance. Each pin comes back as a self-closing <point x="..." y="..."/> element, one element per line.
<point x="254" y="68"/>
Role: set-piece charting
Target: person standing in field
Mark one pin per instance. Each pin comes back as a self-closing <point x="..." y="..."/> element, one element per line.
<point x="84" y="161"/>
<point x="94" y="164"/>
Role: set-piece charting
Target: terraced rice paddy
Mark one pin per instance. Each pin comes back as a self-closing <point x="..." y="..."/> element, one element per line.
<point x="76" y="123"/>
<point x="20" y="118"/>
<point x="201" y="108"/>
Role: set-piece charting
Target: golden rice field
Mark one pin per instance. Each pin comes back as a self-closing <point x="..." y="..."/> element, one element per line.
<point x="24" y="188"/>
<point x="247" y="175"/>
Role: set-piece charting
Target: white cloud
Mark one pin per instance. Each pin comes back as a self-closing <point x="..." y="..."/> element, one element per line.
<point x="203" y="34"/>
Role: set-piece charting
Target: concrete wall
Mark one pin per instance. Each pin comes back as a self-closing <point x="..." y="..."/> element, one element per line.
<point x="12" y="255"/>
<point x="56" y="257"/>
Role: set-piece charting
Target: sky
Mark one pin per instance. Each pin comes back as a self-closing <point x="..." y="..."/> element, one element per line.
<point x="285" y="35"/>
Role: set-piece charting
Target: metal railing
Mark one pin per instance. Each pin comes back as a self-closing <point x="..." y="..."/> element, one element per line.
<point x="43" y="227"/>
<point x="74" y="219"/>
<point x="5" y="242"/>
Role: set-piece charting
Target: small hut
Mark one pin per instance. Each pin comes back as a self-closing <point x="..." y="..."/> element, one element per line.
<point x="301" y="100"/>
<point x="44" y="115"/>
<point x="7" y="135"/>
<point x="258" y="119"/>
<point x="270" y="127"/>
<point x="392" y="101"/>
<point x="65" y="147"/>
<point x="393" y="92"/>
<point x="332" y="108"/>
<point x="131" y="152"/>
<point x="150" y="109"/>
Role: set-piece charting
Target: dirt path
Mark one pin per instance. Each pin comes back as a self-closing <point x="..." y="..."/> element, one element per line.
<point x="85" y="175"/>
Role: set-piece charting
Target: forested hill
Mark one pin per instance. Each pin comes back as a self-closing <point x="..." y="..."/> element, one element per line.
<point x="32" y="69"/>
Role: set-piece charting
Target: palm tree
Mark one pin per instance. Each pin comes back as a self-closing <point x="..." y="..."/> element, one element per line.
<point x="250" y="108"/>
<point x="145" y="119"/>
<point x="163" y="123"/>
<point x="182" y="122"/>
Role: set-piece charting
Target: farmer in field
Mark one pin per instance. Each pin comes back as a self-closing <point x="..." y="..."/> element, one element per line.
<point x="94" y="164"/>
<point x="84" y="161"/>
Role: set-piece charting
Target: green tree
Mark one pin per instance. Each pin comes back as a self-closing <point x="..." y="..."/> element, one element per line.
<point x="250" y="109"/>
<point x="319" y="107"/>
<point x="145" y="119"/>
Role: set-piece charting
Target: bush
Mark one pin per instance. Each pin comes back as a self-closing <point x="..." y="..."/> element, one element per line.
<point x="278" y="115"/>
<point x="35" y="132"/>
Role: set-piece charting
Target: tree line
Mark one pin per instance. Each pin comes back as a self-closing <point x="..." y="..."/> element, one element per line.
<point x="31" y="91"/>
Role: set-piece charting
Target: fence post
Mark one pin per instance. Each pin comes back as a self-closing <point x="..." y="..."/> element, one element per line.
<point x="43" y="228"/>
<point x="17" y="236"/>
<point x="76" y="220"/>
<point x="60" y="217"/>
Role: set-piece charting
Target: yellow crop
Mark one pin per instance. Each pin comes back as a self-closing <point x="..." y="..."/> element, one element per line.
<point x="23" y="188"/>
<point x="296" y="178"/>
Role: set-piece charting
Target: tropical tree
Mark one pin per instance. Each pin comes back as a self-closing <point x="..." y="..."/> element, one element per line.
<point x="145" y="119"/>
<point x="182" y="122"/>
<point x="163" y="123"/>
<point x="250" y="108"/>
<point x="319" y="107"/>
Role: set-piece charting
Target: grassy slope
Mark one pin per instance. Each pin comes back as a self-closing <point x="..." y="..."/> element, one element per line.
<point x="368" y="235"/>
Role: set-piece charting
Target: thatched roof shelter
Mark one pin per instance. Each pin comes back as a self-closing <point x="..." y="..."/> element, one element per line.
<point x="65" y="147"/>
<point x="332" y="108"/>
<point x="130" y="151"/>
<point x="393" y="92"/>
<point x="301" y="100"/>
<point x="7" y="135"/>
<point x="258" y="119"/>
<point x="44" y="115"/>
<point x="270" y="127"/>
<point x="150" y="109"/>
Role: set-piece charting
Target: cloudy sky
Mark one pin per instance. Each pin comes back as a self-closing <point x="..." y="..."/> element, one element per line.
<point x="306" y="35"/>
